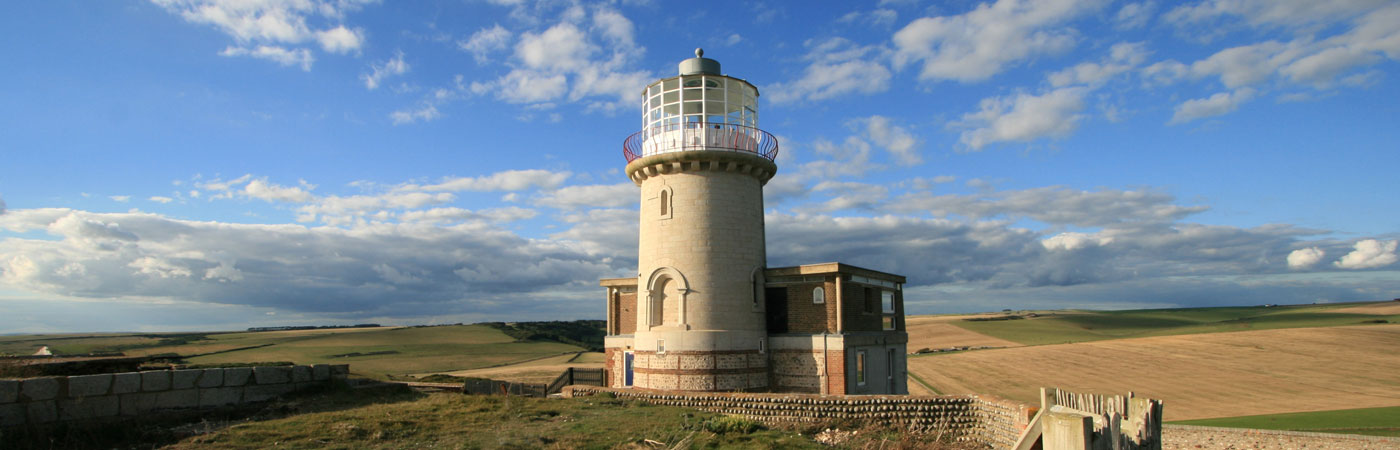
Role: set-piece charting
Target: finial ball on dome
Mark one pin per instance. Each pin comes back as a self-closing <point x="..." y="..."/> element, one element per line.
<point x="699" y="52"/>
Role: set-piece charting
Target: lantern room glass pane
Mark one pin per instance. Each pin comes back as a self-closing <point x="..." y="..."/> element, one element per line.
<point x="672" y="97"/>
<point x="714" y="107"/>
<point x="693" y="94"/>
<point x="692" y="108"/>
<point x="655" y="101"/>
<point x="671" y="84"/>
<point x="673" y="109"/>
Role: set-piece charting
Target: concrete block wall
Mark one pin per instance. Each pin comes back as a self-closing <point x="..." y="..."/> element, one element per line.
<point x="37" y="401"/>
<point x="988" y="420"/>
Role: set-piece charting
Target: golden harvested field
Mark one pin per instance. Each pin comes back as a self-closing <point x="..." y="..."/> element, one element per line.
<point x="1199" y="375"/>
<point x="937" y="332"/>
<point x="1374" y="308"/>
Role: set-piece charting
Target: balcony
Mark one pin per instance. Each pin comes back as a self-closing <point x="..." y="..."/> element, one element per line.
<point x="680" y="137"/>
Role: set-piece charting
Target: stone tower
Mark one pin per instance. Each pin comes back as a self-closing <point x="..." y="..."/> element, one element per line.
<point x="701" y="163"/>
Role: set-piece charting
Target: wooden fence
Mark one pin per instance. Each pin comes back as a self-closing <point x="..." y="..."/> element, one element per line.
<point x="1087" y="421"/>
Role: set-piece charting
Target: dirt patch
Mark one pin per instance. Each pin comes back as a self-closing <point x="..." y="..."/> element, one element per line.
<point x="1198" y="376"/>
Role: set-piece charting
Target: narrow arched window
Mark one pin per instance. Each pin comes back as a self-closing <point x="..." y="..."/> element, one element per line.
<point x="818" y="295"/>
<point x="665" y="203"/>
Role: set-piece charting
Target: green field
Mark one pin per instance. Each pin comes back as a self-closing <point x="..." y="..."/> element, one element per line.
<point x="393" y="419"/>
<point x="1060" y="327"/>
<point x="1368" y="421"/>
<point x="380" y="353"/>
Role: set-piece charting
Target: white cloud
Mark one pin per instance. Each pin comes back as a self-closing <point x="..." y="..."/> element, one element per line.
<point x="561" y="47"/>
<point x="848" y="195"/>
<point x="582" y="58"/>
<point x="454" y="214"/>
<point x="120" y="198"/>
<point x="1323" y="67"/>
<point x="1070" y="241"/>
<point x="378" y="72"/>
<point x="591" y="196"/>
<point x="1215" y="105"/>
<point x="981" y="43"/>
<point x="263" y="190"/>
<point x="162" y="199"/>
<point x="1305" y="257"/>
<point x="424" y="113"/>
<point x="733" y="39"/>
<point x="272" y="30"/>
<point x="1368" y="254"/>
<point x="1270" y="12"/>
<point x="257" y="265"/>
<point x="1244" y="65"/>
<point x="158" y="267"/>
<point x="527" y="86"/>
<point x="486" y="41"/>
<point x="1122" y="58"/>
<point x="1054" y="205"/>
<point x="1311" y="58"/>
<point x="1023" y="118"/>
<point x="893" y="138"/>
<point x="838" y="67"/>
<point x="881" y="17"/>
<point x="280" y="55"/>
<point x="1134" y="15"/>
<point x="340" y="39"/>
<point x="510" y="180"/>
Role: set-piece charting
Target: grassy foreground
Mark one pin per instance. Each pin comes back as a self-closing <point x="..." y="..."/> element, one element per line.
<point x="1367" y="421"/>
<point x="344" y="419"/>
<point x="1062" y="327"/>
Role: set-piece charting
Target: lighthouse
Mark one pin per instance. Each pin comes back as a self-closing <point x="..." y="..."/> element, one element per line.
<point x="701" y="313"/>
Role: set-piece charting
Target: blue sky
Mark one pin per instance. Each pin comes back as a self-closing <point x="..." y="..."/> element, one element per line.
<point x="207" y="164"/>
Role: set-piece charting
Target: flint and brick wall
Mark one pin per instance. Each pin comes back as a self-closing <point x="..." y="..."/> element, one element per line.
<point x="36" y="401"/>
<point x="701" y="371"/>
<point x="984" y="419"/>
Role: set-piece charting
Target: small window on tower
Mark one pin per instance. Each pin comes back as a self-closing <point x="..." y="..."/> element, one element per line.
<point x="665" y="203"/>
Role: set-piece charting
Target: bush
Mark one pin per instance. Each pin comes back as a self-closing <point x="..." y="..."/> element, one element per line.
<point x="731" y="424"/>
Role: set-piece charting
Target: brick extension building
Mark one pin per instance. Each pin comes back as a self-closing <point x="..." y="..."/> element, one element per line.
<point x="711" y="316"/>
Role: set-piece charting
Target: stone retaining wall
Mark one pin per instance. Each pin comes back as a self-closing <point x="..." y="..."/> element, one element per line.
<point x="36" y="401"/>
<point x="988" y="420"/>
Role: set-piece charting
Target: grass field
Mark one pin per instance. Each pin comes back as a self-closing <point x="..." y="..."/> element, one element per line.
<point x="1368" y="421"/>
<point x="380" y="353"/>
<point x="393" y="352"/>
<point x="936" y="332"/>
<point x="1197" y="375"/>
<point x="537" y="371"/>
<point x="1061" y="327"/>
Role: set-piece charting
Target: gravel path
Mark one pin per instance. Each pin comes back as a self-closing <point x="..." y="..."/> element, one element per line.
<point x="1191" y="437"/>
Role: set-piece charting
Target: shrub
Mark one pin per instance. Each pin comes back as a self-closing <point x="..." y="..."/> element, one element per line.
<point x="731" y="424"/>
